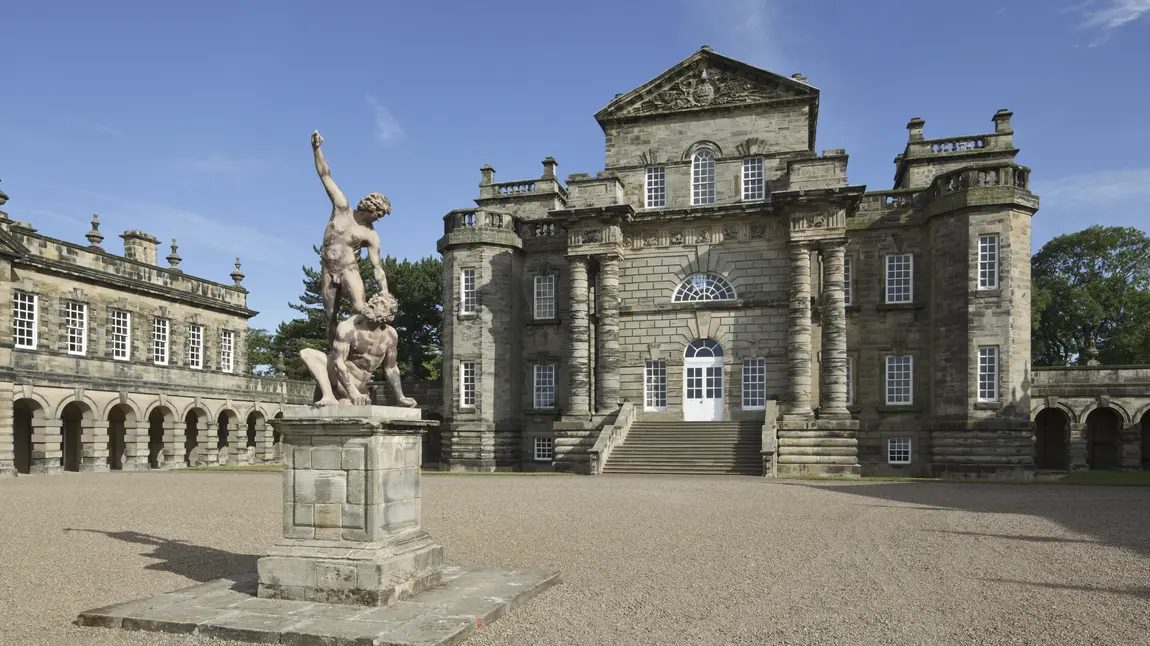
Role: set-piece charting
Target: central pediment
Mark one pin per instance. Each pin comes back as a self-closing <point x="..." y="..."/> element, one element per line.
<point x="705" y="80"/>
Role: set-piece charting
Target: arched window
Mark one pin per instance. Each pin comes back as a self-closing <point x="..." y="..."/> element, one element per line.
<point x="703" y="177"/>
<point x="704" y="287"/>
<point x="703" y="348"/>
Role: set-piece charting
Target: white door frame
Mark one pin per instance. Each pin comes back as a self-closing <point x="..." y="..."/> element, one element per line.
<point x="707" y="371"/>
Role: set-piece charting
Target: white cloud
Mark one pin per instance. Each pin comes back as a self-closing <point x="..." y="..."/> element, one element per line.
<point x="1097" y="188"/>
<point x="744" y="29"/>
<point x="387" y="129"/>
<point x="94" y="127"/>
<point x="1113" y="15"/>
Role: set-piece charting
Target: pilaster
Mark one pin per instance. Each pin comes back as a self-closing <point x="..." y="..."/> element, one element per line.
<point x="47" y="446"/>
<point x="94" y="445"/>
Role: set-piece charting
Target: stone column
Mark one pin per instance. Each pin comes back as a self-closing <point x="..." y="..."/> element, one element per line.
<point x="209" y="443"/>
<point x="799" y="332"/>
<point x="1078" y="449"/>
<point x="47" y="446"/>
<point x="1130" y="448"/>
<point x="579" y="358"/>
<point x="136" y="449"/>
<point x="93" y="445"/>
<point x="172" y="456"/>
<point x="608" y="336"/>
<point x="833" y="393"/>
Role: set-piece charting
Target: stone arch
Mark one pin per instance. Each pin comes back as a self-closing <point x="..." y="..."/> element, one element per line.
<point x="1118" y="408"/>
<point x="258" y="435"/>
<point x="1066" y="409"/>
<point x="137" y="413"/>
<point x="689" y="152"/>
<point x="1052" y="438"/>
<point x="89" y="406"/>
<point x="162" y="442"/>
<point x="28" y="413"/>
<point x="122" y="424"/>
<point x="1103" y="437"/>
<point x="74" y="416"/>
<point x="32" y="395"/>
<point x="197" y="444"/>
<point x="1140" y="414"/>
<point x="228" y="433"/>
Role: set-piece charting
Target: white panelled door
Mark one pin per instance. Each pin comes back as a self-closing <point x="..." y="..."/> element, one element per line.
<point x="703" y="381"/>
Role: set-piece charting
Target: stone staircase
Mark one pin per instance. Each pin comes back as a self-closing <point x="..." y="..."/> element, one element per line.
<point x="689" y="448"/>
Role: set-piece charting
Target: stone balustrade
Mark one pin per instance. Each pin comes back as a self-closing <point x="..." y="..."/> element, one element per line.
<point x="478" y="218"/>
<point x="889" y="200"/>
<point x="514" y="188"/>
<point x="1009" y="175"/>
<point x="956" y="145"/>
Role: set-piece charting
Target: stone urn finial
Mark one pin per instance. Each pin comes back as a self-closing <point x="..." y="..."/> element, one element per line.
<point x="94" y="236"/>
<point x="174" y="258"/>
<point x="238" y="275"/>
<point x="3" y="198"/>
<point x="1091" y="351"/>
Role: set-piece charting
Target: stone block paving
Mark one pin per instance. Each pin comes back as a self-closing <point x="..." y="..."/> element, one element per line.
<point x="228" y="609"/>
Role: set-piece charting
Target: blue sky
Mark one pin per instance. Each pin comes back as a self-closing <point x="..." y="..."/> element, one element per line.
<point x="191" y="120"/>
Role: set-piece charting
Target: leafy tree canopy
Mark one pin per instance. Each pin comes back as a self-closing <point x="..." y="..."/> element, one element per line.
<point x="1092" y="285"/>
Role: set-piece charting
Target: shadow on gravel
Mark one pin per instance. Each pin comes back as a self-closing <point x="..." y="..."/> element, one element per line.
<point x="195" y="562"/>
<point x="1141" y="593"/>
<point x="1114" y="516"/>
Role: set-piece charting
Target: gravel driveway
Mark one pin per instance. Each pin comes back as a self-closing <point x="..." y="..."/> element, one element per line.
<point x="645" y="560"/>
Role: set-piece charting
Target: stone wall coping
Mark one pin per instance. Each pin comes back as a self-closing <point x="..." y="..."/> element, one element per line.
<point x="352" y="411"/>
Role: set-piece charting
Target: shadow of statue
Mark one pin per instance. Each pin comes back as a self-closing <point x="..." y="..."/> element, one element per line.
<point x="195" y="562"/>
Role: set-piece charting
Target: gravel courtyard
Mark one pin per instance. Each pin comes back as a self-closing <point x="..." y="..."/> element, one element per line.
<point x="645" y="560"/>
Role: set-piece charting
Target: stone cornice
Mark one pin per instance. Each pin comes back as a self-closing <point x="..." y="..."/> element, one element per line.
<point x="95" y="276"/>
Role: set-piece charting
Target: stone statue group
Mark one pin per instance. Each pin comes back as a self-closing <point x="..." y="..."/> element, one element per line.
<point x="358" y="345"/>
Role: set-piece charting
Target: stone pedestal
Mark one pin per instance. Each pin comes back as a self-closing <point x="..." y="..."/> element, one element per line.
<point x="351" y="508"/>
<point x="818" y="448"/>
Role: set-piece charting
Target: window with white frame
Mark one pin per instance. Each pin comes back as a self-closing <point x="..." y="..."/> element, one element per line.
<point x="754" y="180"/>
<point x="161" y="335"/>
<point x="544" y="385"/>
<point x="655" y="385"/>
<point x="850" y="381"/>
<point x="227" y="350"/>
<point x="467" y="384"/>
<point x="76" y="320"/>
<point x="988" y="373"/>
<point x="656" y="187"/>
<point x="545" y="296"/>
<point x="195" y="346"/>
<point x="847" y="272"/>
<point x="24" y="330"/>
<point x="544" y="449"/>
<point x="121" y="335"/>
<point x="899" y="380"/>
<point x="988" y="261"/>
<point x="703" y="177"/>
<point x="703" y="287"/>
<point x="467" y="291"/>
<point x="754" y="384"/>
<point x="899" y="278"/>
<point x="898" y="450"/>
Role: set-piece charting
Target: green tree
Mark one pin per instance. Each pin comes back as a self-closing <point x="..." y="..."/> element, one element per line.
<point x="417" y="288"/>
<point x="261" y="353"/>
<point x="1094" y="284"/>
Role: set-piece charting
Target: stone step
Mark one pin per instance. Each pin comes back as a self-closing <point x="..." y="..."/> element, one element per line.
<point x="683" y="472"/>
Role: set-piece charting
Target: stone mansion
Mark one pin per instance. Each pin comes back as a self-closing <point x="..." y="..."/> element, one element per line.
<point x="721" y="295"/>
<point x="111" y="362"/>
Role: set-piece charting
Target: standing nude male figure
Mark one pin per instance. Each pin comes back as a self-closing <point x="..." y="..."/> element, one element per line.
<point x="347" y="232"/>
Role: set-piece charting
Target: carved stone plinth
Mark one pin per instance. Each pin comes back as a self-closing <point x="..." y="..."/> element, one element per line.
<point x="351" y="508"/>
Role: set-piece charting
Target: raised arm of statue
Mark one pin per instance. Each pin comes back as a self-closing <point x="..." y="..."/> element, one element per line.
<point x="337" y="197"/>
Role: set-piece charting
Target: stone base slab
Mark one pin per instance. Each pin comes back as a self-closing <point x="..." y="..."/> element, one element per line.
<point x="818" y="471"/>
<point x="228" y="609"/>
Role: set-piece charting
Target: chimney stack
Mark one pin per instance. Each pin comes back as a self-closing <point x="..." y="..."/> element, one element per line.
<point x="140" y="246"/>
<point x="915" y="127"/>
<point x="549" y="165"/>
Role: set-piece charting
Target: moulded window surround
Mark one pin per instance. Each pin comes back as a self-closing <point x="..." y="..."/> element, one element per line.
<point x="900" y="278"/>
<point x="545" y="296"/>
<point x="850" y="381"/>
<point x="655" y="386"/>
<point x="544" y="449"/>
<point x="656" y="181"/>
<point x="988" y="261"/>
<point x="467" y="379"/>
<point x="467" y="301"/>
<point x="754" y="384"/>
<point x="899" y="380"/>
<point x="848" y="272"/>
<point x="76" y="318"/>
<point x="703" y="348"/>
<point x="227" y="351"/>
<point x="544" y="385"/>
<point x="703" y="177"/>
<point x="196" y="346"/>
<point x="704" y="287"/>
<point x="754" y="180"/>
<point x="988" y="373"/>
<point x="121" y="335"/>
<point x="898" y="450"/>
<point x="161" y="335"/>
<point x="24" y="320"/>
